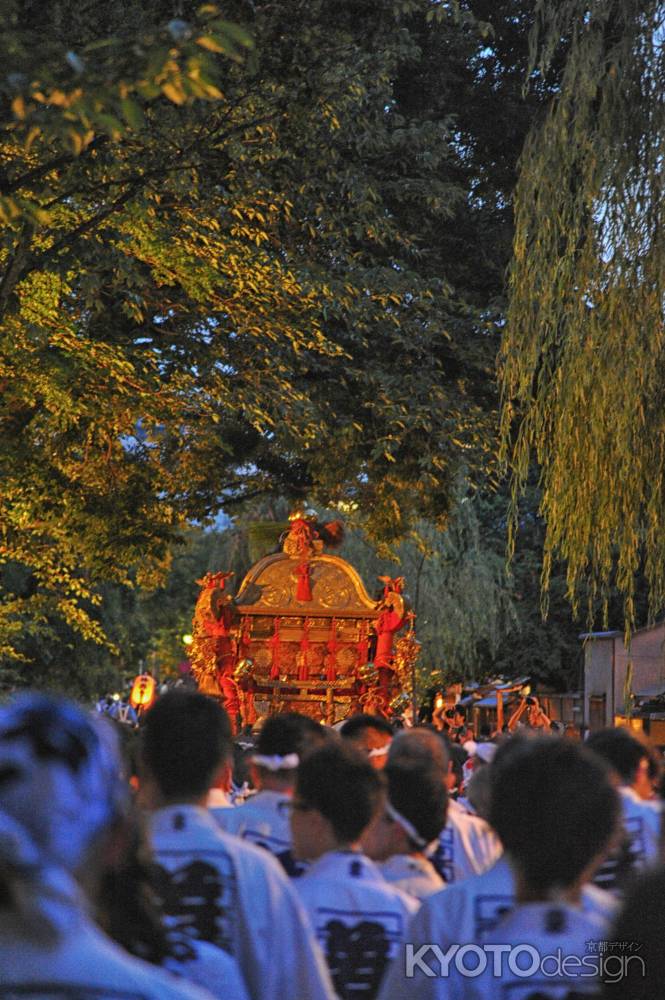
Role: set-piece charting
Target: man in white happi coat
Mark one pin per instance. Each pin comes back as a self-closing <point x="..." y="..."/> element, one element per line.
<point x="214" y="886"/>
<point x="61" y="816"/>
<point x="469" y="913"/>
<point x="412" y="818"/>
<point x="557" y="812"/>
<point x="641" y="814"/>
<point x="358" y="918"/>
<point x="126" y="908"/>
<point x="467" y="844"/>
<point x="264" y="819"/>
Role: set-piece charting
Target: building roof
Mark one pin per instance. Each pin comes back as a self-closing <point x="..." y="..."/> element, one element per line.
<point x="600" y="635"/>
<point x="655" y="691"/>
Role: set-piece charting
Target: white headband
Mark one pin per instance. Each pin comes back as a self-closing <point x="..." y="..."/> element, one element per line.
<point x="406" y="825"/>
<point x="277" y="762"/>
<point x="379" y="751"/>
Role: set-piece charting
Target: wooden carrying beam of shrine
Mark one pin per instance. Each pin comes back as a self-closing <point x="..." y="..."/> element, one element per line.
<point x="303" y="635"/>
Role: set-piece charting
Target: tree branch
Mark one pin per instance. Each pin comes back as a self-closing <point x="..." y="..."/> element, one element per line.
<point x="45" y="168"/>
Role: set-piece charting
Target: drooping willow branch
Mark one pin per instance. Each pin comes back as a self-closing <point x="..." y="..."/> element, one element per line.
<point x="583" y="356"/>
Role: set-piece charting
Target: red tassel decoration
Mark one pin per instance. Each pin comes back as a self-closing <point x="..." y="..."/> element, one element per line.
<point x="304" y="588"/>
<point x="274" y="643"/>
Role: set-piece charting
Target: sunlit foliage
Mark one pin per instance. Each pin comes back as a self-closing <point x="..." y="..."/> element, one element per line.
<point x="220" y="277"/>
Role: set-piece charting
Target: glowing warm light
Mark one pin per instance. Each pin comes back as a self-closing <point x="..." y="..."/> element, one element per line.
<point x="188" y="639"/>
<point x="143" y="691"/>
<point x="439" y="703"/>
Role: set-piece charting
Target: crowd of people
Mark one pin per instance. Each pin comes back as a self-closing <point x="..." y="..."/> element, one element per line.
<point x="308" y="862"/>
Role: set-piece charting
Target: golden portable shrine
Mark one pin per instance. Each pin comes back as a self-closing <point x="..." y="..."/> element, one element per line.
<point x="303" y="635"/>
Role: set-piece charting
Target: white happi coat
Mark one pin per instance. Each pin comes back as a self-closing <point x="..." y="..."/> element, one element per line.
<point x="412" y="874"/>
<point x="470" y="913"/>
<point x="467" y="846"/>
<point x="358" y="918"/>
<point x="541" y="929"/>
<point x="264" y="820"/>
<point x="641" y="821"/>
<point x="83" y="962"/>
<point x="217" y="888"/>
<point x="209" y="967"/>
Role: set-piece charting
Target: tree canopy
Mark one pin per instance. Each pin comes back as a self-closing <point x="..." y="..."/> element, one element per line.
<point x="257" y="254"/>
<point x="230" y="264"/>
<point x="582" y="373"/>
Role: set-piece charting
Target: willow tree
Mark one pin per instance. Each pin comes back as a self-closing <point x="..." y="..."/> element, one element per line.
<point x="583" y="352"/>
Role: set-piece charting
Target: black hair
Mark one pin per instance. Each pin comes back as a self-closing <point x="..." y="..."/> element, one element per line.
<point x="341" y="784"/>
<point x="186" y="736"/>
<point x="417" y="793"/>
<point x="641" y="921"/>
<point x="358" y="723"/>
<point x="620" y="750"/>
<point x="423" y="745"/>
<point x="130" y="909"/>
<point x="655" y="765"/>
<point x="458" y="756"/>
<point x="553" y="806"/>
<point x="288" y="732"/>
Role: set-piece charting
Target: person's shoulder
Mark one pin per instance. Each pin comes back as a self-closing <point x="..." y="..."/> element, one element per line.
<point x="417" y="887"/>
<point x="355" y="873"/>
<point x="653" y="808"/>
<point x="114" y="968"/>
<point x="473" y="830"/>
<point x="192" y="825"/>
<point x="164" y="985"/>
<point x="632" y="798"/>
<point x="548" y="921"/>
<point x="497" y="878"/>
<point x="476" y="824"/>
<point x="395" y="895"/>
<point x="647" y="811"/>
<point x="251" y="857"/>
<point x="457" y="814"/>
<point x="447" y="905"/>
<point x="209" y="967"/>
<point x="229" y="818"/>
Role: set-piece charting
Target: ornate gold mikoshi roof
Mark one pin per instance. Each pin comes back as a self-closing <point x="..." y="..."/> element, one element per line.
<point x="269" y="588"/>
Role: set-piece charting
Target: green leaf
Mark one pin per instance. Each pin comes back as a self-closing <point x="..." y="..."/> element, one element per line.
<point x="132" y="113"/>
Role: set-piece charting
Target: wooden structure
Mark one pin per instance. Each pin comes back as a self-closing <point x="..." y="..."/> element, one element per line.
<point x="512" y="702"/>
<point x="302" y="634"/>
<point x="625" y="681"/>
